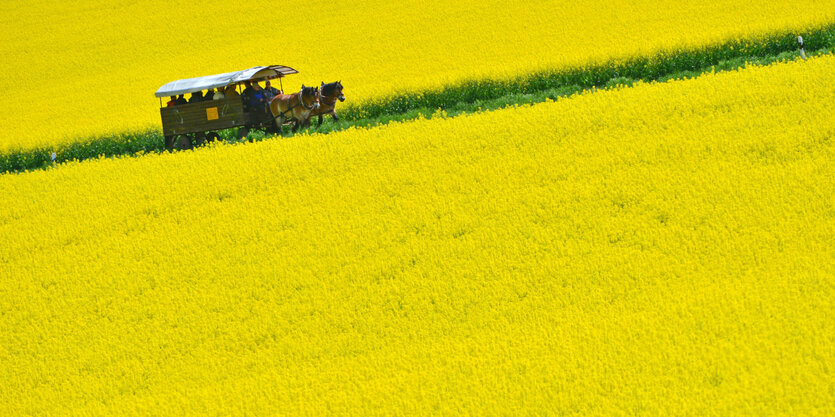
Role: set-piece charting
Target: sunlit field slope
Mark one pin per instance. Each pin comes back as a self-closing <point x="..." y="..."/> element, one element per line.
<point x="665" y="249"/>
<point x="73" y="69"/>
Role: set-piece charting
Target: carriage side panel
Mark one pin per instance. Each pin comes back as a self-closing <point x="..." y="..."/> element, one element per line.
<point x="203" y="116"/>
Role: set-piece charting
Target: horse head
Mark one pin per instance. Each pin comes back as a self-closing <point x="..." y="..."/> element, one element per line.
<point x="341" y="96"/>
<point x="333" y="91"/>
<point x="309" y="97"/>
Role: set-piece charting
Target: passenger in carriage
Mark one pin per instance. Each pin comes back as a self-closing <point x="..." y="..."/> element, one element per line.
<point x="270" y="92"/>
<point x="231" y="91"/>
<point x="256" y="98"/>
<point x="210" y="95"/>
<point x="219" y="95"/>
<point x="247" y="89"/>
<point x="171" y="102"/>
<point x="196" y="97"/>
<point x="246" y="95"/>
<point x="181" y="99"/>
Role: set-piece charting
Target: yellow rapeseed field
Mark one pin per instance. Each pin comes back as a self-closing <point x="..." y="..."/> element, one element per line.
<point x="73" y="69"/>
<point x="666" y="249"/>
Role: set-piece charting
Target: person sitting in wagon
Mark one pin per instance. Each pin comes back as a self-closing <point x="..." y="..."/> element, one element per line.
<point x="171" y="102"/>
<point x="246" y="95"/>
<point x="230" y="91"/>
<point x="196" y="97"/>
<point x="181" y="99"/>
<point x="256" y="98"/>
<point x="270" y="92"/>
<point x="210" y="95"/>
<point x="219" y="95"/>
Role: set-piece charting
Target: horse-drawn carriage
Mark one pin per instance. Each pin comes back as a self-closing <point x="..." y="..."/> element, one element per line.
<point x="190" y="124"/>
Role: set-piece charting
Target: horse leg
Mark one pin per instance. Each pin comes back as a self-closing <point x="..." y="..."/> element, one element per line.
<point x="278" y="125"/>
<point x="296" y="126"/>
<point x="335" y="118"/>
<point x="320" y="121"/>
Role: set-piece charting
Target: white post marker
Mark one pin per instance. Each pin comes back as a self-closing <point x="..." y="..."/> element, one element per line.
<point x="53" y="157"/>
<point x="802" y="52"/>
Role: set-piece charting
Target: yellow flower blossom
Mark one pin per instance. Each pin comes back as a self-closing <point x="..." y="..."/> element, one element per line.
<point x="664" y="249"/>
<point x="86" y="68"/>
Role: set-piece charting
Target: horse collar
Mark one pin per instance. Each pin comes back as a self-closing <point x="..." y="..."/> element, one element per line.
<point x="301" y="101"/>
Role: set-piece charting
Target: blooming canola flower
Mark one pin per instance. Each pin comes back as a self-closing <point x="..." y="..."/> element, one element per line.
<point x="659" y="249"/>
<point x="75" y="70"/>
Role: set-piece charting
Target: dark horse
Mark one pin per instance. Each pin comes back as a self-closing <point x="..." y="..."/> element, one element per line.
<point x="328" y="94"/>
<point x="295" y="107"/>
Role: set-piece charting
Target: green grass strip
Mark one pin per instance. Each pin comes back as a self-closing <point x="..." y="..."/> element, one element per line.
<point x="479" y="95"/>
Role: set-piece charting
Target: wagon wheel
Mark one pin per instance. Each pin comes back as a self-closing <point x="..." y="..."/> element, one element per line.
<point x="242" y="132"/>
<point x="199" y="138"/>
<point x="211" y="137"/>
<point x="181" y="142"/>
<point x="271" y="127"/>
<point x="169" y="142"/>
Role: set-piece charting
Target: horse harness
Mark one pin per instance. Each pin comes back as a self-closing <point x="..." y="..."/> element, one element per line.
<point x="300" y="103"/>
<point x="324" y="99"/>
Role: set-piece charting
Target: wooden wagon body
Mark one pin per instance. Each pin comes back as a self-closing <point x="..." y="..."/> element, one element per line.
<point x="186" y="125"/>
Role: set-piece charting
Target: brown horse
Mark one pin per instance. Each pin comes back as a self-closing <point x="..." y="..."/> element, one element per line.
<point x="295" y="107"/>
<point x="328" y="94"/>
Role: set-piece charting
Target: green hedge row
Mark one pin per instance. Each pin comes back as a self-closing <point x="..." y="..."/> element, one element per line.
<point x="644" y="68"/>
<point x="470" y="95"/>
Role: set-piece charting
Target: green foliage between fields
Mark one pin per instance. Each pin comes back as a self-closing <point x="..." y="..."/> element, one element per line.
<point x="477" y="95"/>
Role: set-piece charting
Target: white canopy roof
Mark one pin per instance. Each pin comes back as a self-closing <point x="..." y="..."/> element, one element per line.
<point x="191" y="85"/>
